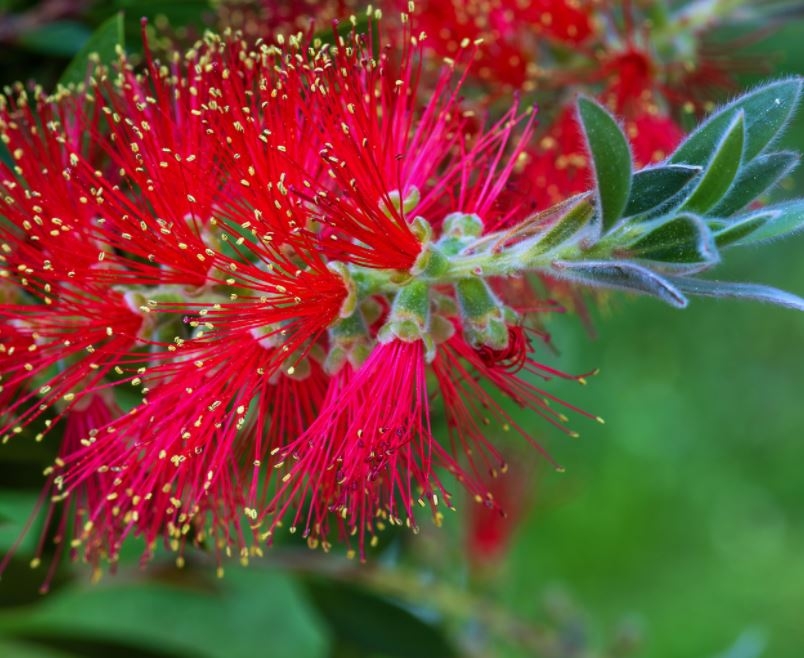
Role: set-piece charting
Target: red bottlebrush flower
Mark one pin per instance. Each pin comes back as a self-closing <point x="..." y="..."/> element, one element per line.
<point x="243" y="206"/>
<point x="50" y="221"/>
<point x="369" y="459"/>
<point x="63" y="350"/>
<point x="637" y="64"/>
<point x="196" y="290"/>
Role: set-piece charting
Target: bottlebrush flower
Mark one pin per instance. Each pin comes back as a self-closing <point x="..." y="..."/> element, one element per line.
<point x="285" y="256"/>
<point x="193" y="293"/>
<point x="232" y="193"/>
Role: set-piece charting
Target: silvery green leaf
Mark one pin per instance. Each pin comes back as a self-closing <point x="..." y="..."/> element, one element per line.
<point x="767" y="110"/>
<point x="682" y="243"/>
<point x="733" y="289"/>
<point x="768" y="223"/>
<point x="570" y="225"/>
<point x="754" y="179"/>
<point x="655" y="188"/>
<point x="730" y="233"/>
<point x="720" y="170"/>
<point x="620" y="275"/>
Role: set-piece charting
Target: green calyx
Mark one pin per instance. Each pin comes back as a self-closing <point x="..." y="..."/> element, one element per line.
<point x="402" y="204"/>
<point x="350" y="302"/>
<point x="462" y="225"/>
<point x="349" y="342"/>
<point x="410" y="318"/>
<point x="483" y="316"/>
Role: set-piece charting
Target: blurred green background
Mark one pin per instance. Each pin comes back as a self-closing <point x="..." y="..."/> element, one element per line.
<point x="676" y="530"/>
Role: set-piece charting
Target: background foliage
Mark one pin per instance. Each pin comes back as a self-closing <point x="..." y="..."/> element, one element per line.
<point x="677" y="529"/>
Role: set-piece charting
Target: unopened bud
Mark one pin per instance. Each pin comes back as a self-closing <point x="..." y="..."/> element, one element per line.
<point x="482" y="314"/>
<point x="462" y="225"/>
<point x="405" y="205"/>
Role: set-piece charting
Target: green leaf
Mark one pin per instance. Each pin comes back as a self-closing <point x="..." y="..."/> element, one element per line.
<point x="654" y="188"/>
<point x="611" y="159"/>
<point x="620" y="275"/>
<point x="767" y="110"/>
<point x="21" y="649"/>
<point x="368" y="625"/>
<point x="751" y="291"/>
<point x="754" y="179"/>
<point x="103" y="43"/>
<point x="60" y="38"/>
<point x="5" y="156"/>
<point x="69" y="645"/>
<point x="683" y="241"/>
<point x="772" y="222"/>
<point x="16" y="508"/>
<point x="567" y="226"/>
<point x="733" y="232"/>
<point x="249" y="612"/>
<point x="720" y="170"/>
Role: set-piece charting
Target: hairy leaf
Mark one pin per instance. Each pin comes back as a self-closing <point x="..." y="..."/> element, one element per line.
<point x="752" y="291"/>
<point x="655" y="187"/>
<point x="721" y="169"/>
<point x="754" y="179"/>
<point x="611" y="159"/>
<point x="776" y="221"/>
<point x="568" y="225"/>
<point x="621" y="275"/>
<point x="683" y="240"/>
<point x="733" y="232"/>
<point x="767" y="110"/>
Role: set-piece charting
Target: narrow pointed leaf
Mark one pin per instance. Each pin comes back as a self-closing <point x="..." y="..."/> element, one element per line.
<point x="611" y="159"/>
<point x="103" y="42"/>
<point x="751" y="291"/>
<point x="767" y="110"/>
<point x="721" y="169"/>
<point x="755" y="179"/>
<point x="570" y="224"/>
<point x="654" y="188"/>
<point x="683" y="240"/>
<point x="734" y="232"/>
<point x="778" y="220"/>
<point x="621" y="275"/>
